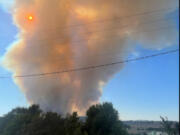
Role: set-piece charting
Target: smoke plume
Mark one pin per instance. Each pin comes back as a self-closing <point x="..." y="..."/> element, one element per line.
<point x="68" y="34"/>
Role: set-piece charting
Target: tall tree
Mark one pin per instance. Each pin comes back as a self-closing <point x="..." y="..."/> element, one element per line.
<point x="102" y="119"/>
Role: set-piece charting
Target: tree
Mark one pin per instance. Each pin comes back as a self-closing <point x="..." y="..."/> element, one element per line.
<point x="169" y="127"/>
<point x="103" y="120"/>
<point x="14" y="123"/>
<point x="73" y="125"/>
<point x="49" y="123"/>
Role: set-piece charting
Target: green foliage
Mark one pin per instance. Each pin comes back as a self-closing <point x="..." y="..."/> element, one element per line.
<point x="169" y="127"/>
<point x="101" y="120"/>
<point x="15" y="121"/>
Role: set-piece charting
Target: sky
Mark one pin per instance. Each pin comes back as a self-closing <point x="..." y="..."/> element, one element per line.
<point x="142" y="90"/>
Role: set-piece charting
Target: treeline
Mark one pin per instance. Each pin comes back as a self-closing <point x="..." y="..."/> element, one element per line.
<point x="101" y="119"/>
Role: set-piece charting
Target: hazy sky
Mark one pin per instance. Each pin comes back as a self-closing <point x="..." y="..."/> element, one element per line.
<point x="142" y="90"/>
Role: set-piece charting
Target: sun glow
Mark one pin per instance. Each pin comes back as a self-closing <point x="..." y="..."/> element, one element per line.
<point x="30" y="17"/>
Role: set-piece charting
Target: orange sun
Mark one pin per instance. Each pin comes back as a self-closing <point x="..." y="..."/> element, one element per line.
<point x="30" y="17"/>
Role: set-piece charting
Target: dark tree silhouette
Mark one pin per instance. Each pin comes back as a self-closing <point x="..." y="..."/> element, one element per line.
<point x="101" y="120"/>
<point x="169" y="127"/>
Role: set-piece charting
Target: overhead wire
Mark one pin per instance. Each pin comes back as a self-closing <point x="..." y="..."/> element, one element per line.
<point x="114" y="18"/>
<point x="105" y="53"/>
<point x="60" y="39"/>
<point x="93" y="66"/>
<point x="101" y="21"/>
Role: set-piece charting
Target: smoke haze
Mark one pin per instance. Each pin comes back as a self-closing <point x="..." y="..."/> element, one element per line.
<point x="67" y="34"/>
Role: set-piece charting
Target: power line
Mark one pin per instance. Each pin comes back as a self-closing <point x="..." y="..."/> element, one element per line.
<point x="114" y="18"/>
<point x="113" y="37"/>
<point x="112" y="30"/>
<point x="95" y="66"/>
<point x="118" y="18"/>
<point x="106" y="20"/>
<point x="105" y="53"/>
<point x="64" y="40"/>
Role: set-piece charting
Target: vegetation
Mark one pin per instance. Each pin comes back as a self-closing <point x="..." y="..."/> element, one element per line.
<point x="102" y="119"/>
<point x="169" y="127"/>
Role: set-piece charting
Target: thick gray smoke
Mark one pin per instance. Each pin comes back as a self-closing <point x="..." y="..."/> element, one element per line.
<point x="56" y="35"/>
